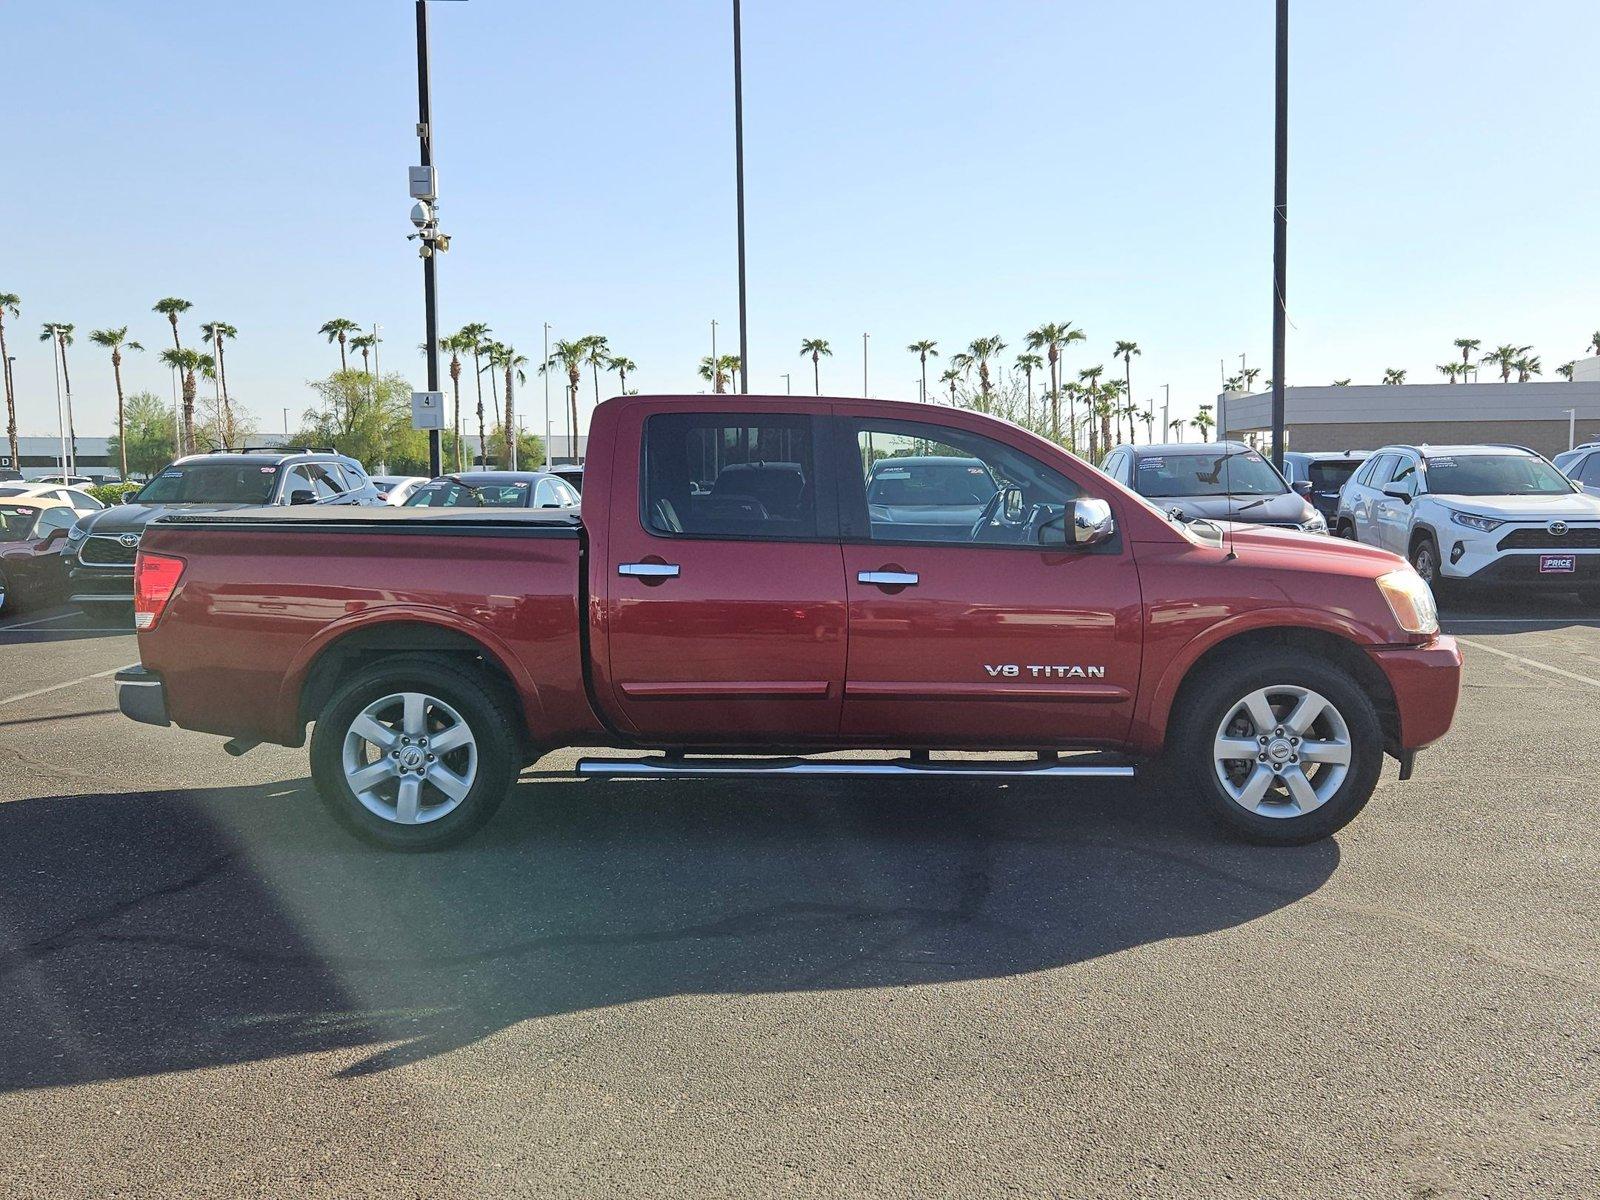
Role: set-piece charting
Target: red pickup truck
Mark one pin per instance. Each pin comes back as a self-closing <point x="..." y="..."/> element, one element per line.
<point x="753" y="581"/>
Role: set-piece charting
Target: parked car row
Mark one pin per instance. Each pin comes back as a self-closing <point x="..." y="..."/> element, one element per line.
<point x="61" y="544"/>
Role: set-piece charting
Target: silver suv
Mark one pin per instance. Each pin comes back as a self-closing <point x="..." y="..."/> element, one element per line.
<point x="1495" y="515"/>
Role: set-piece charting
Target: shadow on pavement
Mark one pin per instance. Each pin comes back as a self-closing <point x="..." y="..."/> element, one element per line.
<point x="168" y="931"/>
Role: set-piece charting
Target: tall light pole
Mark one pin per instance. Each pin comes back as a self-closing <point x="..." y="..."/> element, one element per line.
<point x="787" y="390"/>
<point x="544" y="369"/>
<point x="864" y="392"/>
<point x="738" y="158"/>
<point x="1166" y="411"/>
<point x="432" y="243"/>
<point x="61" y="423"/>
<point x="1280" y="226"/>
<point x="714" y="366"/>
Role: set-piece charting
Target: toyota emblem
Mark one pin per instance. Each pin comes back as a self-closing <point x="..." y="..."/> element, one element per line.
<point x="1557" y="528"/>
<point x="130" y="540"/>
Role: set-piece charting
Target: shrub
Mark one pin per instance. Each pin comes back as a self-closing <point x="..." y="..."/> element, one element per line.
<point x="112" y="493"/>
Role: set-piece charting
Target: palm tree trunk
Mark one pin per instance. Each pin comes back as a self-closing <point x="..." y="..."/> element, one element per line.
<point x="816" y="373"/>
<point x="66" y="380"/>
<point x="190" y="386"/>
<point x="122" y="427"/>
<point x="11" y="399"/>
<point x="222" y="375"/>
<point x="511" y="425"/>
<point x="344" y="363"/>
<point x="455" y="385"/>
<point x="173" y="318"/>
<point x="924" y="376"/>
<point x="573" y="381"/>
<point x="477" y="379"/>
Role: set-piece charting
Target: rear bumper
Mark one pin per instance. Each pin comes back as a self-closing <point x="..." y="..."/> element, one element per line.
<point x="101" y="585"/>
<point x="142" y="696"/>
<point x="1426" y="681"/>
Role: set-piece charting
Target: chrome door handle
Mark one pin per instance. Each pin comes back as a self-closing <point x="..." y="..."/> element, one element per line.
<point x="888" y="578"/>
<point x="648" y="570"/>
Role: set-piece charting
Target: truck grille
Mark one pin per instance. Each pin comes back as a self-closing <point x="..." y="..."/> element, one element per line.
<point x="1577" y="538"/>
<point x="107" y="550"/>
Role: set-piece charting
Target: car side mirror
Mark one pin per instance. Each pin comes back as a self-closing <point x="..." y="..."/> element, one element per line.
<point x="1012" y="504"/>
<point x="302" y="496"/>
<point x="51" y="538"/>
<point x="1086" y="523"/>
<point x="1397" y="492"/>
<point x="1302" y="487"/>
<point x="126" y="497"/>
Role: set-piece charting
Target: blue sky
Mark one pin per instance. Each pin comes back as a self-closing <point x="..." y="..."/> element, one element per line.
<point x="933" y="169"/>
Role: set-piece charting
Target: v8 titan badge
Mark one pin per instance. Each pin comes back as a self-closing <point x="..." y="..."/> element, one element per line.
<point x="427" y="410"/>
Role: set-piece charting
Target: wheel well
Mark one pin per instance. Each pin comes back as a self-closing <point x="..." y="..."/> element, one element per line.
<point x="1314" y="642"/>
<point x="1417" y="535"/>
<point x="362" y="647"/>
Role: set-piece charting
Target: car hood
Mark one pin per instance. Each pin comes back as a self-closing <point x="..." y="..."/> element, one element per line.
<point x="1332" y="553"/>
<point x="1573" y="507"/>
<point x="132" y="518"/>
<point x="1286" y="507"/>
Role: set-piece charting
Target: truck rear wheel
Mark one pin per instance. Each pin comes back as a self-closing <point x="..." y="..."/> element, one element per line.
<point x="414" y="753"/>
<point x="1285" y="748"/>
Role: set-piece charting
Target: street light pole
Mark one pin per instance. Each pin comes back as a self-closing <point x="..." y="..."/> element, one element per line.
<point x="61" y="424"/>
<point x="715" y="366"/>
<point x="864" y="392"/>
<point x="787" y="390"/>
<point x="544" y="365"/>
<point x="430" y="297"/>
<point x="738" y="156"/>
<point x="1280" y="226"/>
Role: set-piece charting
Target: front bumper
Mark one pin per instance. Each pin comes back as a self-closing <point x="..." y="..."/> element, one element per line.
<point x="1426" y="682"/>
<point x="101" y="585"/>
<point x="142" y="696"/>
<point x="1520" y="569"/>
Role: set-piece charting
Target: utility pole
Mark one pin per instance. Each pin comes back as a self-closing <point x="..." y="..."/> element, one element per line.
<point x="61" y="424"/>
<point x="1166" y="411"/>
<point x="738" y="156"/>
<point x="787" y="390"/>
<point x="544" y="363"/>
<point x="864" y="392"/>
<point x="715" y="366"/>
<point x="431" y="243"/>
<point x="1280" y="227"/>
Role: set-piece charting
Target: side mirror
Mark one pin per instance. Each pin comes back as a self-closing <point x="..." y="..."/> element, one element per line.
<point x="1397" y="492"/>
<point x="1302" y="487"/>
<point x="1086" y="523"/>
<point x="51" y="538"/>
<point x="302" y="496"/>
<point x="1012" y="504"/>
<point x="126" y="497"/>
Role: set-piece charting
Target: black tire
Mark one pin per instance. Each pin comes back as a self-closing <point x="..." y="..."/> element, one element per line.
<point x="1345" y="530"/>
<point x="479" y="701"/>
<point x="1425" y="558"/>
<point x="1214" y="698"/>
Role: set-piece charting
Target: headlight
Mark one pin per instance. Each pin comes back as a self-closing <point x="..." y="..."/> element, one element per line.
<point x="1410" y="601"/>
<point x="1473" y="521"/>
<point x="76" y="534"/>
<point x="1316" y="523"/>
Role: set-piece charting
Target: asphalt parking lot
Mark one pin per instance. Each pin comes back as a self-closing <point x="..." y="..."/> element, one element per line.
<point x="953" y="988"/>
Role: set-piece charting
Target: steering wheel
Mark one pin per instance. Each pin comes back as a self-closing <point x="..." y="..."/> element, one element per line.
<point x="975" y="534"/>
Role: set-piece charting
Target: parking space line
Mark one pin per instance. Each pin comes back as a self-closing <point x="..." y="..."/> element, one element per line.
<point x="56" y="687"/>
<point x="39" y="621"/>
<point x="1532" y="662"/>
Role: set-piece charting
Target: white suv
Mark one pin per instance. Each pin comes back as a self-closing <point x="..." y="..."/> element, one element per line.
<point x="1480" y="514"/>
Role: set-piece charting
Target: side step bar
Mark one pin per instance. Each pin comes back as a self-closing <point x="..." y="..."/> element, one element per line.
<point x="1095" y="767"/>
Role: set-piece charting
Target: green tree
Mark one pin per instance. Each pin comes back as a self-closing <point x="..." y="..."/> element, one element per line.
<point x="366" y="343"/>
<point x="1053" y="338"/>
<point x="1125" y="351"/>
<point x="1028" y="364"/>
<point x="505" y="359"/>
<point x="170" y="308"/>
<point x="1452" y="369"/>
<point x="1341" y="383"/>
<point x="980" y="350"/>
<point x="366" y="418"/>
<point x="473" y="338"/>
<point x="1505" y="358"/>
<point x="569" y="357"/>
<point x="952" y="376"/>
<point x="1203" y="421"/>
<point x="60" y="332"/>
<point x="116" y="340"/>
<point x="1394" y="376"/>
<point x="1466" y="346"/>
<point x="1566" y="369"/>
<point x="623" y="367"/>
<point x="1089" y="380"/>
<point x="1594" y="338"/>
<point x="146" y="443"/>
<point x="339" y="330"/>
<point x="718" y="373"/>
<point x="1526" y="366"/>
<point x="922" y="349"/>
<point x="10" y="305"/>
<point x="217" y="332"/>
<point x="596" y="348"/>
<point x="187" y="364"/>
<point x="817" y="349"/>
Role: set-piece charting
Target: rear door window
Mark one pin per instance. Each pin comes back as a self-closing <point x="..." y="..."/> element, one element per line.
<point x="1589" y="472"/>
<point x="1382" y="469"/>
<point x="731" y="476"/>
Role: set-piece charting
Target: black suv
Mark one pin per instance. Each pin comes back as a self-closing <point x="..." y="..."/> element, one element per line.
<point x="101" y="547"/>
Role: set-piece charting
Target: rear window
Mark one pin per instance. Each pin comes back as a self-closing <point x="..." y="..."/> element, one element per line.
<point x="211" y="483"/>
<point x="447" y="493"/>
<point x="16" y="522"/>
<point x="1331" y="476"/>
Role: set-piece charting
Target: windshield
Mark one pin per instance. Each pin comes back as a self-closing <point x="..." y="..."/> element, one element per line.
<point x="16" y="522"/>
<point x="211" y="483"/>
<point x="1217" y="473"/>
<point x="931" y="485"/>
<point x="1495" y="475"/>
<point x="446" y="493"/>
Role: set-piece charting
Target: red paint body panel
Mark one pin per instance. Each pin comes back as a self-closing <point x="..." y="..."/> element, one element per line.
<point x="757" y="644"/>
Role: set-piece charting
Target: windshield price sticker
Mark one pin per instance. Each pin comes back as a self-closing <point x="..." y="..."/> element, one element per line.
<point x="1151" y="464"/>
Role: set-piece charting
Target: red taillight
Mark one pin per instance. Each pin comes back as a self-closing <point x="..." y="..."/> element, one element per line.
<point x="155" y="578"/>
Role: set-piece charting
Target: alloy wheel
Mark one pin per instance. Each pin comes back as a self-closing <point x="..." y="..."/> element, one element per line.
<point x="1282" y="751"/>
<point x="410" y="758"/>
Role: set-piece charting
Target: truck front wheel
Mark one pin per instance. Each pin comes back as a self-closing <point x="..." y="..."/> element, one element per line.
<point x="414" y="753"/>
<point x="1285" y="748"/>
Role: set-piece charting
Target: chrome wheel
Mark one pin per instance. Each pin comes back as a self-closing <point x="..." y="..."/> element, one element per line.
<point x="410" y="758"/>
<point x="1282" y="751"/>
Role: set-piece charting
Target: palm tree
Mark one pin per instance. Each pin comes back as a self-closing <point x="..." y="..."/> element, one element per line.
<point x="1110" y="411"/>
<point x="1594" y="338"/>
<point x="981" y="350"/>
<point x="1452" y="369"/>
<point x="473" y="338"/>
<point x="1233" y="383"/>
<point x="1527" y="365"/>
<point x="1125" y="351"/>
<point x="1394" y="376"/>
<point x="1466" y="346"/>
<point x="1249" y="375"/>
<point x="1052" y="338"/>
<point x="1149" y="419"/>
<point x="1175" y="426"/>
<point x="1203" y="421"/>
<point x="60" y="332"/>
<point x="116" y="340"/>
<point x="451" y="344"/>
<point x="216" y="332"/>
<point x="364" y="342"/>
<point x="339" y="330"/>
<point x="10" y="304"/>
<point x="1341" y="383"/>
<point x="952" y="376"/>
<point x="505" y="358"/>
<point x="1028" y="364"/>
<point x="569" y="357"/>
<point x="922" y="349"/>
<point x="186" y="363"/>
<point x="621" y="366"/>
<point x="1505" y="357"/>
<point x="1089" y="378"/>
<point x="595" y="356"/>
<point x="818" y="349"/>
<point x="1565" y="370"/>
<point x="170" y="308"/>
<point x="716" y="371"/>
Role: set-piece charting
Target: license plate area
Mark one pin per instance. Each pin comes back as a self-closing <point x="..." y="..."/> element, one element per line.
<point x="1557" y="564"/>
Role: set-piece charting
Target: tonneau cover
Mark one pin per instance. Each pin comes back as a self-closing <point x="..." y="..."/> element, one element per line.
<point x="513" y="522"/>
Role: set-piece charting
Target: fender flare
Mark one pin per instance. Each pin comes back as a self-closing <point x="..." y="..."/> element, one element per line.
<point x="308" y="655"/>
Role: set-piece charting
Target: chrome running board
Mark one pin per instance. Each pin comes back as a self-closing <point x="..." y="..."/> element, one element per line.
<point x="663" y="766"/>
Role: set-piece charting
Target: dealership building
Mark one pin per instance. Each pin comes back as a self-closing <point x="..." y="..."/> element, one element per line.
<point x="1541" y="415"/>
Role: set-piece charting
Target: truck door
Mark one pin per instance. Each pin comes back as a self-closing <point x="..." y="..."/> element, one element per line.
<point x="965" y="628"/>
<point x="725" y="618"/>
